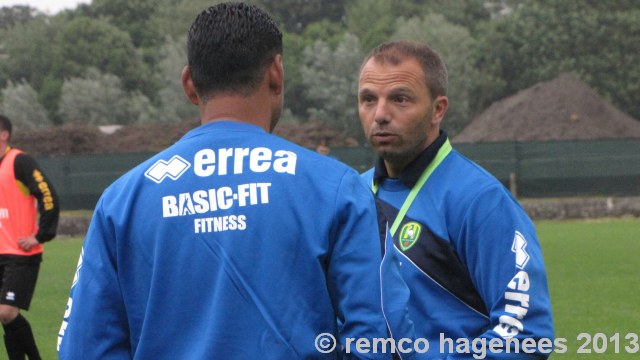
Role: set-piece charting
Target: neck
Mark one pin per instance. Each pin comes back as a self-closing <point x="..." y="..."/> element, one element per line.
<point x="394" y="168"/>
<point x="253" y="109"/>
<point x="396" y="165"/>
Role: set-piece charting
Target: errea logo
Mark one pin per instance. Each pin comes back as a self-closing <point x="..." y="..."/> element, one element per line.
<point x="173" y="169"/>
<point x="519" y="247"/>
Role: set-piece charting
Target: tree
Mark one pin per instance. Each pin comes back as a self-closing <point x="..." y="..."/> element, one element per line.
<point x="100" y="99"/>
<point x="457" y="49"/>
<point x="293" y="58"/>
<point x="132" y="16"/>
<point x="11" y="16"/>
<point x="461" y="12"/>
<point x="332" y="79"/>
<point x="295" y="15"/>
<point x="20" y="104"/>
<point x="597" y="41"/>
<point x="28" y="49"/>
<point x="373" y="21"/>
<point x="175" y="105"/>
<point x="172" y="18"/>
<point x="86" y="42"/>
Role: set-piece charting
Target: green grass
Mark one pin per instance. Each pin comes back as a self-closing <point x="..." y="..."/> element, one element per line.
<point x="48" y="305"/>
<point x="594" y="280"/>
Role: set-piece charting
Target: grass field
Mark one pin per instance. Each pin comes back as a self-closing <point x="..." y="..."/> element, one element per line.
<point x="594" y="279"/>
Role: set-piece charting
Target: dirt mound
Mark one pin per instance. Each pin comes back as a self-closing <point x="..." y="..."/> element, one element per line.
<point x="564" y="108"/>
<point x="77" y="138"/>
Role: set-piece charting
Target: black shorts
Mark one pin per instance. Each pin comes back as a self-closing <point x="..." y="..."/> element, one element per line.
<point x="18" y="282"/>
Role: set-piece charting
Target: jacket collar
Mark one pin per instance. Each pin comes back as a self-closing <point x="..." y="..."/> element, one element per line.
<point x="410" y="174"/>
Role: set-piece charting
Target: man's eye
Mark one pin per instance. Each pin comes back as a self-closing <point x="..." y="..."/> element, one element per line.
<point x="401" y="99"/>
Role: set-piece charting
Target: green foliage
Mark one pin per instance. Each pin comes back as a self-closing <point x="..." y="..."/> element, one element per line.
<point x="28" y="49"/>
<point x="50" y="94"/>
<point x="131" y="16"/>
<point x="372" y="21"/>
<point x="492" y="48"/>
<point x="295" y="15"/>
<point x="11" y="16"/>
<point x="333" y="77"/>
<point x="175" y="105"/>
<point x="295" y="94"/>
<point x="20" y="104"/>
<point x="173" y="17"/>
<point x="100" y="99"/>
<point x="461" y="12"/>
<point x="330" y="32"/>
<point x="85" y="42"/>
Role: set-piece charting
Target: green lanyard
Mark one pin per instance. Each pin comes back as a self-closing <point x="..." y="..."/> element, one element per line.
<point x="444" y="150"/>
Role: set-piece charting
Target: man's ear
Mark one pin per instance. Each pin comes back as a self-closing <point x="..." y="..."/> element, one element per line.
<point x="440" y="107"/>
<point x="189" y="87"/>
<point x="4" y="135"/>
<point x="275" y="74"/>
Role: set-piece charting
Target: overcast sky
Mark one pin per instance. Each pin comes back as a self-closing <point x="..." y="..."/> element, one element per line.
<point x="47" y="6"/>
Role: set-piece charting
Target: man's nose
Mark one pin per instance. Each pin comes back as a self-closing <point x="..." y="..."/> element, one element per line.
<point x="382" y="113"/>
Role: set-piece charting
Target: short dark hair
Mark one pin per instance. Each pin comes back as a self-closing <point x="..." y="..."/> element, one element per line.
<point x="434" y="69"/>
<point x="5" y="124"/>
<point x="229" y="46"/>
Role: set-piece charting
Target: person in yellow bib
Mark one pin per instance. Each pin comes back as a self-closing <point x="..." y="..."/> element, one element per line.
<point x="29" y="212"/>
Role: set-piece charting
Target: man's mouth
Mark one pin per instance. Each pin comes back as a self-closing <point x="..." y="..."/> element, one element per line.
<point x="383" y="136"/>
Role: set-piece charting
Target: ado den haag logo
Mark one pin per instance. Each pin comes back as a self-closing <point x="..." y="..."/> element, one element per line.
<point x="409" y="235"/>
<point x="172" y="169"/>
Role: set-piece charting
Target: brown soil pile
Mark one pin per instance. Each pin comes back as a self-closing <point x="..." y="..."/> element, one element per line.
<point x="564" y="108"/>
<point x="85" y="139"/>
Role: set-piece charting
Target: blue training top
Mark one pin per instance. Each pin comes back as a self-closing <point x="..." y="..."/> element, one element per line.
<point x="471" y="258"/>
<point x="231" y="244"/>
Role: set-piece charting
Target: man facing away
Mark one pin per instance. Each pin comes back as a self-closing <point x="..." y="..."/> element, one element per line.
<point x="232" y="243"/>
<point x="23" y="228"/>
<point x="470" y="254"/>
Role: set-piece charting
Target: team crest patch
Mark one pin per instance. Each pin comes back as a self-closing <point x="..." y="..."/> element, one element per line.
<point x="409" y="235"/>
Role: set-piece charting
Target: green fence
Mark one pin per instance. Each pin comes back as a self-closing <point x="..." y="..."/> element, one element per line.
<point x="567" y="168"/>
<point x="81" y="179"/>
<point x="531" y="169"/>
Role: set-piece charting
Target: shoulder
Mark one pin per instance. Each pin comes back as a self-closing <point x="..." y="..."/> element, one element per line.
<point x="464" y="177"/>
<point x="465" y="185"/>
<point x="24" y="164"/>
<point x="24" y="158"/>
<point x="368" y="174"/>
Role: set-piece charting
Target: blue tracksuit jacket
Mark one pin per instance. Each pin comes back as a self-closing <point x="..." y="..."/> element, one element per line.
<point x="470" y="256"/>
<point x="231" y="244"/>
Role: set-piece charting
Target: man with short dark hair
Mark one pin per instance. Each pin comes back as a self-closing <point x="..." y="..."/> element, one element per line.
<point x="23" y="185"/>
<point x="232" y="243"/>
<point x="471" y="255"/>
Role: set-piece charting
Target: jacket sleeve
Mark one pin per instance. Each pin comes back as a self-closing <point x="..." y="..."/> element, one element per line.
<point x="500" y="247"/>
<point x="353" y="271"/>
<point x="95" y="323"/>
<point x="29" y="174"/>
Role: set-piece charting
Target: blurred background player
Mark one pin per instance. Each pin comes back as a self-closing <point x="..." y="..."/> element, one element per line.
<point x="23" y="185"/>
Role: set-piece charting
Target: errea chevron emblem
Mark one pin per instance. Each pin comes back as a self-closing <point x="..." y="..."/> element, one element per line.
<point x="519" y="247"/>
<point x="172" y="169"/>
